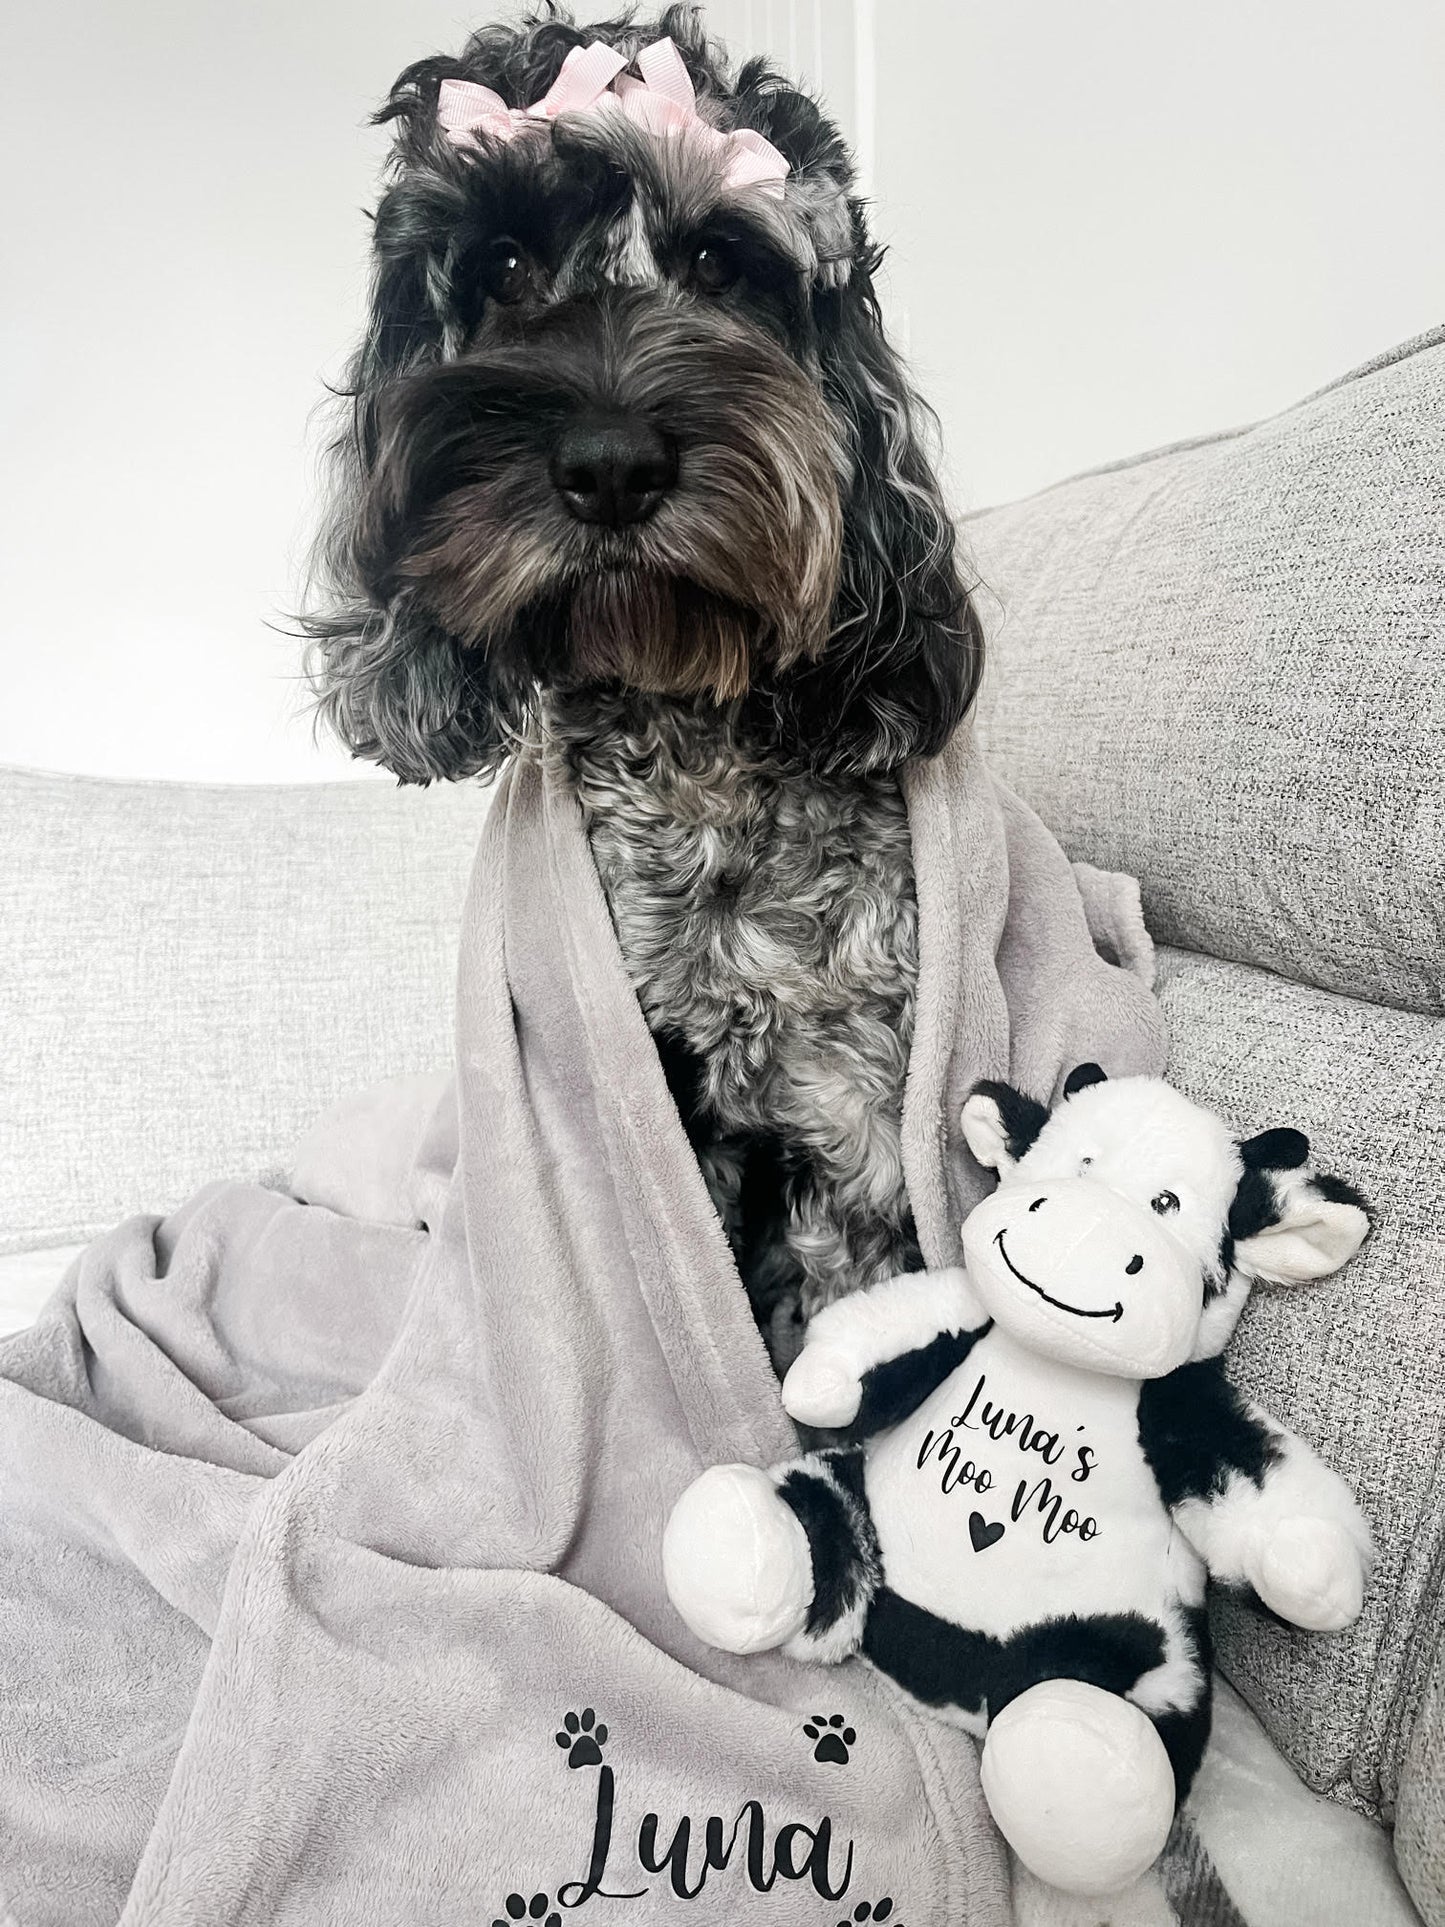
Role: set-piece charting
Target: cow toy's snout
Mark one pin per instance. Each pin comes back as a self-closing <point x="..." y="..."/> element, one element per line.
<point x="1081" y="1273"/>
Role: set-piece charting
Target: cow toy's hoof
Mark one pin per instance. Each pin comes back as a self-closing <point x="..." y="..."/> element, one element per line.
<point x="736" y="1562"/>
<point x="1311" y="1573"/>
<point x="1080" y="1786"/>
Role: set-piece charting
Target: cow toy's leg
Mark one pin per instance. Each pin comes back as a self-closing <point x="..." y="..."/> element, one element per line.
<point x="755" y="1560"/>
<point x="1080" y="1785"/>
<point x="1143" y="1903"/>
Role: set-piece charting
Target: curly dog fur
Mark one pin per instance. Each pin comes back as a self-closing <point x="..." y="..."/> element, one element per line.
<point x="633" y="478"/>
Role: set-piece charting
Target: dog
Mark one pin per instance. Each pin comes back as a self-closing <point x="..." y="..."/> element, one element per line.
<point x="634" y="479"/>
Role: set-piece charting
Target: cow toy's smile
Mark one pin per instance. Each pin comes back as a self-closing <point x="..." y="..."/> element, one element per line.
<point x="1114" y="1311"/>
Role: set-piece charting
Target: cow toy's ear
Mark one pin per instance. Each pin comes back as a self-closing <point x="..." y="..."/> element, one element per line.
<point x="1000" y="1124"/>
<point x="1278" y="1150"/>
<point x="1082" y="1076"/>
<point x="1290" y="1225"/>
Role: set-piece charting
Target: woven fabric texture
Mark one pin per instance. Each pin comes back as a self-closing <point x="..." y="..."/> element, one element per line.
<point x="190" y="974"/>
<point x="1223" y="670"/>
<point x="1420" y="1816"/>
<point x="1353" y="1364"/>
<point x="1221" y="667"/>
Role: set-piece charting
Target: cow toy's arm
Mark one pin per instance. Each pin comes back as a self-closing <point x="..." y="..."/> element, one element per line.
<point x="872" y="1358"/>
<point x="1253" y="1500"/>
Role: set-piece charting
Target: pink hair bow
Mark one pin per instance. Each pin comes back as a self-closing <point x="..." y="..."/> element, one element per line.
<point x="593" y="79"/>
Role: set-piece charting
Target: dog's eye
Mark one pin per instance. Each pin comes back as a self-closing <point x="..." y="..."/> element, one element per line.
<point x="713" y="269"/>
<point x="508" y="272"/>
<point x="1164" y="1203"/>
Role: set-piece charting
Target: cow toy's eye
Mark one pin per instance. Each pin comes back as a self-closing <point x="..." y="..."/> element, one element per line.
<point x="1084" y="1163"/>
<point x="1164" y="1203"/>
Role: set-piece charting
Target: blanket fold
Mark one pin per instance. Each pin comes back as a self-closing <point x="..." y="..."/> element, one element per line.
<point x="330" y="1545"/>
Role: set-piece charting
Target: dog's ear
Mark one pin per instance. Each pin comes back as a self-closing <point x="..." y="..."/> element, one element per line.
<point x="905" y="655"/>
<point x="409" y="309"/>
<point x="388" y="680"/>
<point x="400" y="692"/>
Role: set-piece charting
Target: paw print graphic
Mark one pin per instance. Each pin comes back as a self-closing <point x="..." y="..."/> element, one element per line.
<point x="583" y="1740"/>
<point x="517" y="1907"/>
<point x="834" y="1740"/>
<point x="871" y="1910"/>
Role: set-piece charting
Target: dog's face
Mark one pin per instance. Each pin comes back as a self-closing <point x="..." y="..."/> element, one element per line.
<point x="619" y="421"/>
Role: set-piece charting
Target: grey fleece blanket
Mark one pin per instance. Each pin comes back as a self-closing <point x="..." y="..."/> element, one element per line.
<point x="329" y="1530"/>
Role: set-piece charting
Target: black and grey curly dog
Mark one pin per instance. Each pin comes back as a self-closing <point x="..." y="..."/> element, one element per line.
<point x="634" y="474"/>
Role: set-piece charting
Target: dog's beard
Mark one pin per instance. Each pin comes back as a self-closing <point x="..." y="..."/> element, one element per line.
<point x="660" y="634"/>
<point x="661" y="613"/>
<point x="734" y="573"/>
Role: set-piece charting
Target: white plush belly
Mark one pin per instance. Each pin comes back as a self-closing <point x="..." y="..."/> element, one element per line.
<point x="1019" y="1492"/>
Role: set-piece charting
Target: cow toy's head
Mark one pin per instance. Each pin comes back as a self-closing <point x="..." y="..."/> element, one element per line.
<point x="1129" y="1224"/>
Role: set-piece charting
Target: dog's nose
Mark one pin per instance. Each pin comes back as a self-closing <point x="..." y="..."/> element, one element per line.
<point x="613" y="470"/>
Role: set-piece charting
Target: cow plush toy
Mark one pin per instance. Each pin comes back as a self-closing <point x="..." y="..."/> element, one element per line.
<point x="1045" y="1459"/>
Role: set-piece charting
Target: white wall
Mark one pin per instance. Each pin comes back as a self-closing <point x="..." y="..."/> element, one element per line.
<point x="1114" y="223"/>
<point x="1117" y="223"/>
<point x="182" y="185"/>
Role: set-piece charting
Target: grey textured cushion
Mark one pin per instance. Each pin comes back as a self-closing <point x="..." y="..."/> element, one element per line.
<point x="1354" y="1364"/>
<point x="1225" y="674"/>
<point x="190" y="974"/>
<point x="1420" y="1818"/>
<point x="1222" y="667"/>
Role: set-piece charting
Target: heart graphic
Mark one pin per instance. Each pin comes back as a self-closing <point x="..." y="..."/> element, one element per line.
<point x="983" y="1534"/>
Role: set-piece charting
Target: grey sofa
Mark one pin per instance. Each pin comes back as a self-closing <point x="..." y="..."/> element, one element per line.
<point x="273" y="948"/>
<point x="1220" y="667"/>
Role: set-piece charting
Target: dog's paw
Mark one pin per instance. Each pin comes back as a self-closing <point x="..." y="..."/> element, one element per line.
<point x="539" y="1908"/>
<point x="583" y="1739"/>
<point x="833" y="1739"/>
